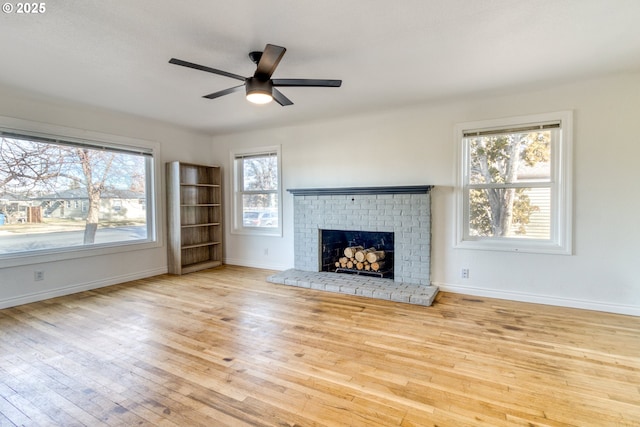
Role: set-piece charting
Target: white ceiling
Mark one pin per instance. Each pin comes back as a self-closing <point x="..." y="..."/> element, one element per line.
<point x="114" y="54"/>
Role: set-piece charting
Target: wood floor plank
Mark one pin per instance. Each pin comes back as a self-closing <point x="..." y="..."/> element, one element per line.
<point x="226" y="348"/>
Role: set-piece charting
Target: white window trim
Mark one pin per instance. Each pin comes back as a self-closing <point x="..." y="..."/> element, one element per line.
<point x="561" y="241"/>
<point x="72" y="134"/>
<point x="237" y="226"/>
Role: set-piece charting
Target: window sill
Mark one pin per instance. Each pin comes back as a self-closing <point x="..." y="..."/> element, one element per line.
<point x="39" y="257"/>
<point x="274" y="232"/>
<point x="515" y="245"/>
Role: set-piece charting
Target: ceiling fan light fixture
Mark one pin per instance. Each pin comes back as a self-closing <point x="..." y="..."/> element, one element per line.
<point x="259" y="98"/>
<point x="259" y="92"/>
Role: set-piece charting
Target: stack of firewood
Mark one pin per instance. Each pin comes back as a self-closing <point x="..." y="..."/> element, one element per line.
<point x="359" y="258"/>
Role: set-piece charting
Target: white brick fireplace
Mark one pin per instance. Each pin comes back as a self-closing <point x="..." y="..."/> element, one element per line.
<point x="404" y="211"/>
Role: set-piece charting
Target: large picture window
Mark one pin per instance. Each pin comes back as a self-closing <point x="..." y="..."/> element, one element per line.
<point x="514" y="184"/>
<point x="257" y="191"/>
<point x="61" y="194"/>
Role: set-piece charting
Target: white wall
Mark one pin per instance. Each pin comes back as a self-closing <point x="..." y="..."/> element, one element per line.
<point x="415" y="145"/>
<point x="17" y="284"/>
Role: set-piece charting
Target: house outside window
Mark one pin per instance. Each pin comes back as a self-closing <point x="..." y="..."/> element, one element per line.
<point x="257" y="193"/>
<point x="514" y="184"/>
<point x="39" y="169"/>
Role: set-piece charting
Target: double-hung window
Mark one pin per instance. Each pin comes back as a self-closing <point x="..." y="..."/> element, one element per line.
<point x="514" y="184"/>
<point x="257" y="193"/>
<point x="63" y="197"/>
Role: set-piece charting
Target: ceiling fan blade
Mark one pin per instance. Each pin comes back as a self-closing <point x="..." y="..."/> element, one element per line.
<point x="224" y="92"/>
<point x="307" y="82"/>
<point x="269" y="61"/>
<point x="280" y="98"/>
<point x="203" y="68"/>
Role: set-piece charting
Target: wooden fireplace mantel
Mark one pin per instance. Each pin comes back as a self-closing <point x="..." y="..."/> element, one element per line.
<point x="352" y="191"/>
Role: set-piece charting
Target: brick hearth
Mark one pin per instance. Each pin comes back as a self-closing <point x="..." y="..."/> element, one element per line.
<point x="352" y="284"/>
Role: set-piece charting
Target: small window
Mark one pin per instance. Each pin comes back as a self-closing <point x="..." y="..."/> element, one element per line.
<point x="257" y="196"/>
<point x="43" y="173"/>
<point x="514" y="184"/>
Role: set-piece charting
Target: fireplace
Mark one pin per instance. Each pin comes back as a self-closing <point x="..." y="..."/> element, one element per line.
<point x="357" y="252"/>
<point x="396" y="220"/>
<point x="403" y="212"/>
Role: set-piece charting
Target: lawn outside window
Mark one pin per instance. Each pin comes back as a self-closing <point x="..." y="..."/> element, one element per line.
<point x="514" y="184"/>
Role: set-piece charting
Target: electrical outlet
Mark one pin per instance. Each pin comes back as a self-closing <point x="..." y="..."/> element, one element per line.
<point x="38" y="276"/>
<point x="266" y="251"/>
<point x="464" y="273"/>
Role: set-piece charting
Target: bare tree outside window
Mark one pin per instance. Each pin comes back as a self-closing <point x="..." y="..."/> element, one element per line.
<point x="260" y="182"/>
<point x="65" y="191"/>
<point x="509" y="180"/>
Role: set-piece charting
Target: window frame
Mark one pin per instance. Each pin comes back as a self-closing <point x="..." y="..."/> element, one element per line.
<point x="561" y="185"/>
<point x="237" y="175"/>
<point x="95" y="140"/>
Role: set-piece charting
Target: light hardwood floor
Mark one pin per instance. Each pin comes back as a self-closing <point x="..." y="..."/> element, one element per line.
<point x="225" y="348"/>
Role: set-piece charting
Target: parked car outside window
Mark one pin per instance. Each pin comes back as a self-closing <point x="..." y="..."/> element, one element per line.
<point x="259" y="219"/>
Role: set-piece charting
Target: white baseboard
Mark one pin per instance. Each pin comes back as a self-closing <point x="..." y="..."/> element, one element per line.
<point x="253" y="264"/>
<point x="540" y="299"/>
<point x="79" y="287"/>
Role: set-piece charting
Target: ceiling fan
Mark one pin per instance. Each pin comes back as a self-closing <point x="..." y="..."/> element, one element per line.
<point x="261" y="88"/>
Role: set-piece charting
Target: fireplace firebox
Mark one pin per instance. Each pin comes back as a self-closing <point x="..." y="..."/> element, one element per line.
<point x="339" y="252"/>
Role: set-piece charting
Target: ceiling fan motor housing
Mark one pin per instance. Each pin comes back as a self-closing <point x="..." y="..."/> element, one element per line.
<point x="255" y="85"/>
